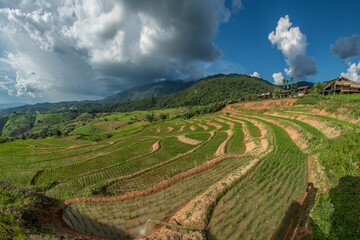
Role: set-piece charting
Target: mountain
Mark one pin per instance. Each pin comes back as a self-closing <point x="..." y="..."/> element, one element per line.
<point x="150" y="90"/>
<point x="136" y="93"/>
<point x="305" y="83"/>
<point x="208" y="90"/>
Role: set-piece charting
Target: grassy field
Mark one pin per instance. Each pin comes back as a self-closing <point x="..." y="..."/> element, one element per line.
<point x="249" y="167"/>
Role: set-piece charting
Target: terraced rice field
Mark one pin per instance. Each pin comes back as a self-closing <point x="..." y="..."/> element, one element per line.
<point x="232" y="175"/>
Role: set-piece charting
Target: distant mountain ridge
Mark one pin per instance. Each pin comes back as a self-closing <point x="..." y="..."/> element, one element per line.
<point x="145" y="91"/>
<point x="136" y="93"/>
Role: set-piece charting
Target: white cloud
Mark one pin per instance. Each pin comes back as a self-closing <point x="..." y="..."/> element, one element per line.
<point x="255" y="74"/>
<point x="292" y="43"/>
<point x="278" y="78"/>
<point x="353" y="72"/>
<point x="87" y="49"/>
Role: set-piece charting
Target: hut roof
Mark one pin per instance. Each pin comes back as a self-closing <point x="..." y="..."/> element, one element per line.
<point x="342" y="81"/>
<point x="304" y="87"/>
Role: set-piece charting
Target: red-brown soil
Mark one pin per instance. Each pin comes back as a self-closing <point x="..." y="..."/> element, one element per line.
<point x="186" y="140"/>
<point x="181" y="128"/>
<point x="265" y="105"/>
<point x="155" y="146"/>
<point x="218" y="126"/>
<point x="203" y="126"/>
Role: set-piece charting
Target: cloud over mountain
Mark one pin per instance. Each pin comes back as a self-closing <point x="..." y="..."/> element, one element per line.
<point x="346" y="47"/>
<point x="278" y="78"/>
<point x="86" y="49"/>
<point x="255" y="74"/>
<point x="292" y="43"/>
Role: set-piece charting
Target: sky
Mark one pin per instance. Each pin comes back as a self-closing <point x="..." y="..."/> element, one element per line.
<point x="75" y="50"/>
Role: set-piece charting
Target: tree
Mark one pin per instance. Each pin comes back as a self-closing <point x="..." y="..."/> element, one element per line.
<point x="58" y="132"/>
<point x="150" y="117"/>
<point x="163" y="116"/>
<point x="318" y="87"/>
<point x="276" y="93"/>
<point x="293" y="85"/>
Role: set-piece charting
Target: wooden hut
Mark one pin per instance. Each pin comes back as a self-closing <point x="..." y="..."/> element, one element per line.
<point x="342" y="86"/>
<point x="265" y="96"/>
<point x="304" y="89"/>
<point x="285" y="93"/>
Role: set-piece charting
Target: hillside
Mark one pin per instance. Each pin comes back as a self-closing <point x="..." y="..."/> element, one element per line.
<point x="208" y="90"/>
<point x="150" y="90"/>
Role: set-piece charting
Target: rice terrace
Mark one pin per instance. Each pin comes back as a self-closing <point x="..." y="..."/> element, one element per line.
<point x="179" y="120"/>
<point x="252" y="170"/>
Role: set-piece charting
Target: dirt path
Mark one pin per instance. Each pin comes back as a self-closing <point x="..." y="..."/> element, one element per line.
<point x="181" y="128"/>
<point x="221" y="150"/>
<point x="158" y="130"/>
<point x="170" y="129"/>
<point x="249" y="142"/>
<point x="192" y="128"/>
<point x="218" y="126"/>
<point x="232" y="125"/>
<point x="186" y="140"/>
<point x="203" y="126"/>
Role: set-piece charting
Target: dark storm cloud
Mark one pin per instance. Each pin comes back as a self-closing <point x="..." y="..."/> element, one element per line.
<point x="82" y="49"/>
<point x="346" y="47"/>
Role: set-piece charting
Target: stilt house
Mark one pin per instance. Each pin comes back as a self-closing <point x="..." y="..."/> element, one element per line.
<point x="342" y="86"/>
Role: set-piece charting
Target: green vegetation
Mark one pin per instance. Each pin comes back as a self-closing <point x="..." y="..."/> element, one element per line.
<point x="9" y="228"/>
<point x="144" y="168"/>
<point x="236" y="144"/>
<point x="310" y="99"/>
<point x="261" y="200"/>
<point x="341" y="157"/>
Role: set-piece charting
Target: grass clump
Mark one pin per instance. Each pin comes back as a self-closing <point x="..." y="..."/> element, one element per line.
<point x="311" y="99"/>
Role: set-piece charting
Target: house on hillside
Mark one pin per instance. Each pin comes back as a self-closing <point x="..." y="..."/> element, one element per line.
<point x="342" y="86"/>
<point x="265" y="96"/>
<point x="303" y="90"/>
<point x="285" y="93"/>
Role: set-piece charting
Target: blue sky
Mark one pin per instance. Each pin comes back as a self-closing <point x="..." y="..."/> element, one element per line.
<point x="76" y="50"/>
<point x="244" y="39"/>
